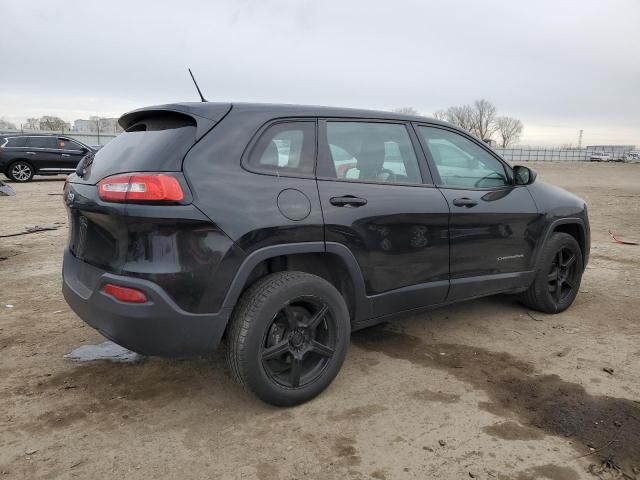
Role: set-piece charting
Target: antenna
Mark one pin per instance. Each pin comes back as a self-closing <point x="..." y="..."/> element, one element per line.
<point x="196" y="84"/>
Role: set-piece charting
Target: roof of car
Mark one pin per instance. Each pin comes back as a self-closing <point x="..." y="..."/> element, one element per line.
<point x="211" y="109"/>
<point x="53" y="135"/>
<point x="22" y="134"/>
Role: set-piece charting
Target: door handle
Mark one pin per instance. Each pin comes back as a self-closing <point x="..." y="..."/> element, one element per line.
<point x="465" y="202"/>
<point x="30" y="153"/>
<point x="348" y="201"/>
<point x="66" y="155"/>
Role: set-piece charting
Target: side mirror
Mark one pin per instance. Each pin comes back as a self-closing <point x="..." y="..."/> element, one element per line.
<point x="524" y="175"/>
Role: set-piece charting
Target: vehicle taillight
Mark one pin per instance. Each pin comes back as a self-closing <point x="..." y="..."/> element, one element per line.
<point x="140" y="187"/>
<point x="124" y="294"/>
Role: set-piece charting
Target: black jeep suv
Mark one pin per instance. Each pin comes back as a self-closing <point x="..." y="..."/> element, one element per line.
<point x="23" y="156"/>
<point x="280" y="229"/>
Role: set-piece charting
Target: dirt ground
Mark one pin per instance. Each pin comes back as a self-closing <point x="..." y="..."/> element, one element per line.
<point x="483" y="389"/>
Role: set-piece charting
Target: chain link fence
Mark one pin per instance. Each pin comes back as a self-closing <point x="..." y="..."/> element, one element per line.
<point x="527" y="154"/>
<point x="517" y="154"/>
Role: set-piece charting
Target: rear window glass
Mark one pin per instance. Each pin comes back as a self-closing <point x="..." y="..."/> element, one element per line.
<point x="139" y="149"/>
<point x="286" y="148"/>
<point x="42" y="142"/>
<point x="162" y="122"/>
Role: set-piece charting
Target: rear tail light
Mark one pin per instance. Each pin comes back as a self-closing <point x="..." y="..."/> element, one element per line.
<point x="124" y="294"/>
<point x="140" y="187"/>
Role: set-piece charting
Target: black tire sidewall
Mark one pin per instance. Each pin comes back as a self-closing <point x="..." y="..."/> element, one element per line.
<point x="257" y="378"/>
<point x="10" y="175"/>
<point x="551" y="248"/>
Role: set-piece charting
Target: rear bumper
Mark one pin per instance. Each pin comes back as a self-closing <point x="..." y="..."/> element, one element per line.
<point x="157" y="327"/>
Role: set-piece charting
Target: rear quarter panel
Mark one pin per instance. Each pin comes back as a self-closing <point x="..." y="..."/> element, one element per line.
<point x="242" y="203"/>
<point x="174" y="246"/>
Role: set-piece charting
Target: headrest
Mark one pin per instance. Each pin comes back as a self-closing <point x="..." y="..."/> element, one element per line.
<point x="270" y="155"/>
<point x="372" y="153"/>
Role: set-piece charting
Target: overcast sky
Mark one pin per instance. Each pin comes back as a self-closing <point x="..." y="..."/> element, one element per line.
<point x="558" y="65"/>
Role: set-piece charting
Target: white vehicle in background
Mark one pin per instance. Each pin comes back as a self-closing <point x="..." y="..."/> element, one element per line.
<point x="600" y="157"/>
<point x="633" y="156"/>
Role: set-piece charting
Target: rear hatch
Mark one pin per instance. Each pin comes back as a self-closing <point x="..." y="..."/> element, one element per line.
<point x="135" y="237"/>
<point x="155" y="139"/>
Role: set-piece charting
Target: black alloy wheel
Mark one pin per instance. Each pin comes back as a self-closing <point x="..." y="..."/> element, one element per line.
<point x="299" y="342"/>
<point x="557" y="280"/>
<point x="562" y="275"/>
<point x="288" y="337"/>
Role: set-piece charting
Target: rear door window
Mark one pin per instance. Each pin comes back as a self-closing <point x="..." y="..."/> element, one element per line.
<point x="42" y="142"/>
<point x="285" y="148"/>
<point x="66" y="144"/>
<point x="371" y="152"/>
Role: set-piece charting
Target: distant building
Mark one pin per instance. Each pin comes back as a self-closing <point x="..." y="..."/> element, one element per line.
<point x="83" y="126"/>
<point x="6" y="125"/>
<point x="613" y="149"/>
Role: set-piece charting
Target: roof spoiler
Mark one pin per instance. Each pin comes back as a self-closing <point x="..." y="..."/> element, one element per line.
<point x="204" y="118"/>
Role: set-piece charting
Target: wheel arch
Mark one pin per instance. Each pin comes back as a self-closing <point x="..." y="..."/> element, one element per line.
<point x="331" y="261"/>
<point x="572" y="226"/>
<point x="25" y="160"/>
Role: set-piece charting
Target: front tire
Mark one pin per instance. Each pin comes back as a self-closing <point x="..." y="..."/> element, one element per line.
<point x="558" y="275"/>
<point x="288" y="337"/>
<point x="20" y="171"/>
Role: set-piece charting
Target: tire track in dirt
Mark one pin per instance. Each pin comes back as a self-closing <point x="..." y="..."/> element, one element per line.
<point x="611" y="426"/>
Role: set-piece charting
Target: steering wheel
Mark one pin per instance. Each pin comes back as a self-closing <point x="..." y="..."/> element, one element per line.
<point x="391" y="177"/>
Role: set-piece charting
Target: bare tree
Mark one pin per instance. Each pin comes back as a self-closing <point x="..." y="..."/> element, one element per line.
<point x="440" y="115"/>
<point x="109" y="125"/>
<point x="484" y="119"/>
<point x="461" y="116"/>
<point x="53" y="123"/>
<point x="406" y="111"/>
<point x="480" y="120"/>
<point x="32" y="124"/>
<point x="509" y="129"/>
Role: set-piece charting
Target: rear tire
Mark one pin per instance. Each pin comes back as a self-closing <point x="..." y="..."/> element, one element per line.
<point x="558" y="275"/>
<point x="20" y="171"/>
<point x="288" y="337"/>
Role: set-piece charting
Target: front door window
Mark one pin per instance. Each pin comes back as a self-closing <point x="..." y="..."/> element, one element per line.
<point x="462" y="163"/>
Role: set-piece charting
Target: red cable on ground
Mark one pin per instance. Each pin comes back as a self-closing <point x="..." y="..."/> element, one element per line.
<point x="624" y="242"/>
